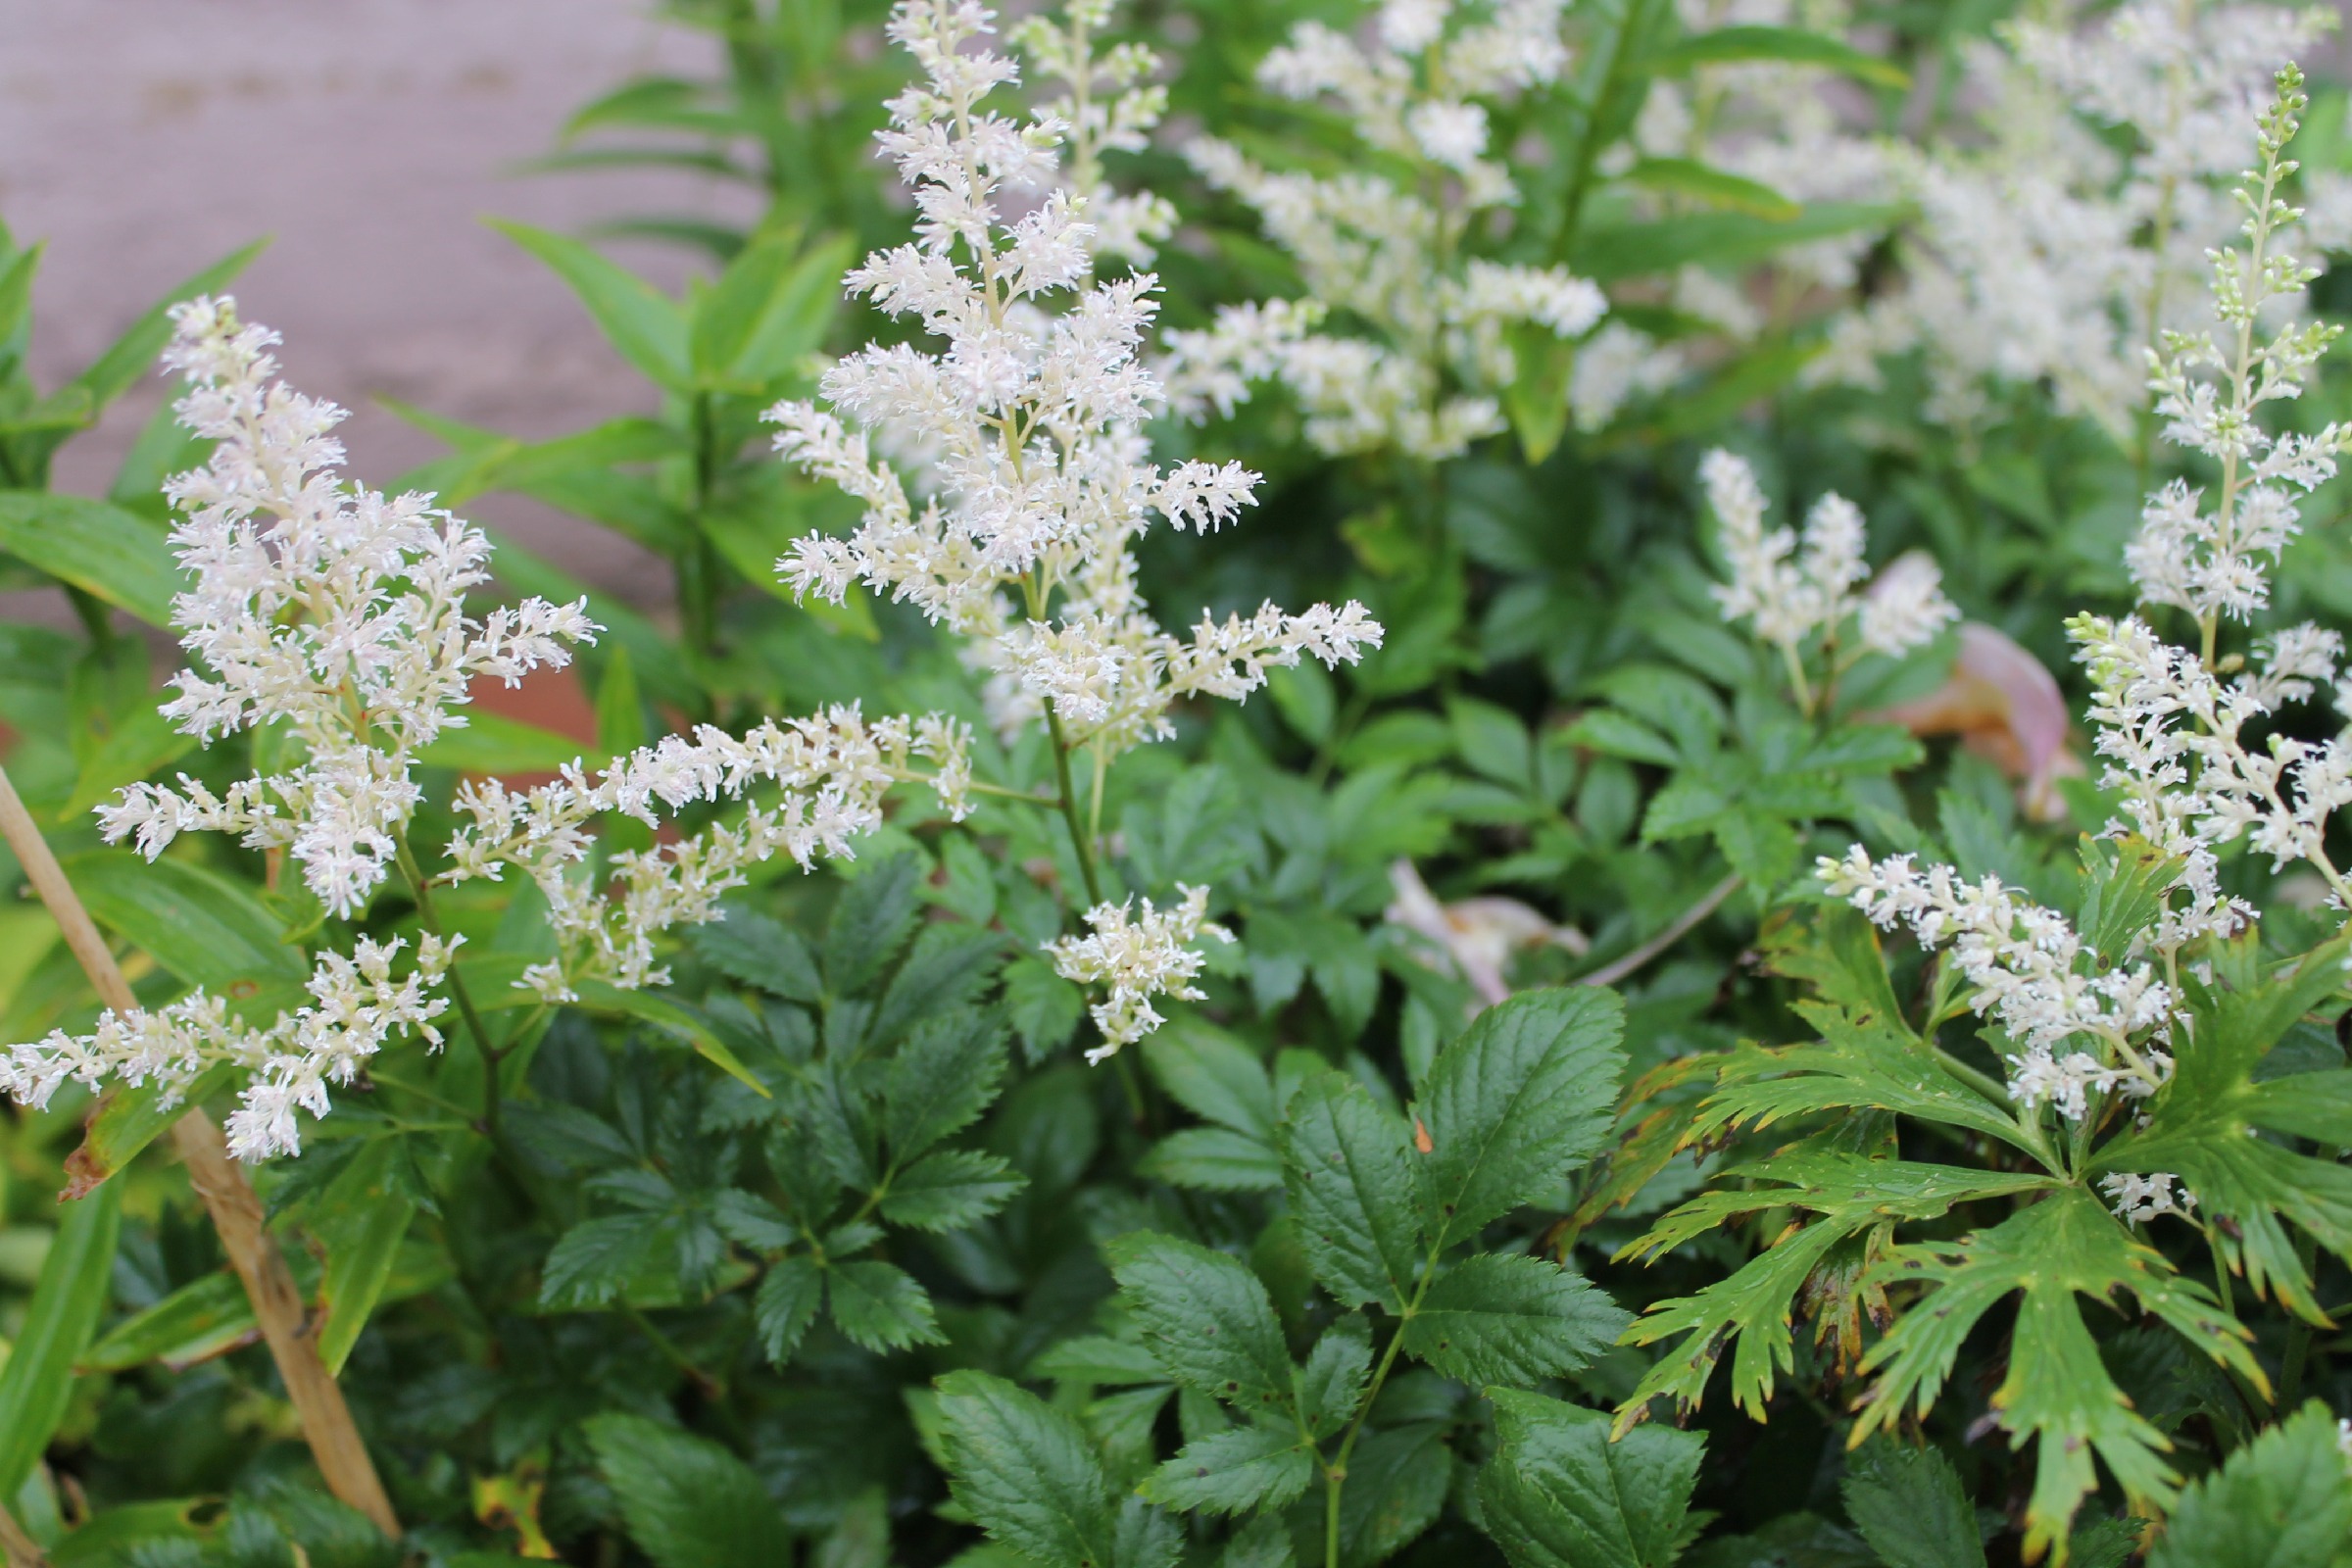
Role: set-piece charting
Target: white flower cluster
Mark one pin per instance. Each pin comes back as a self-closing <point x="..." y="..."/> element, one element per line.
<point x="2031" y="972"/>
<point x="832" y="770"/>
<point x="2173" y="731"/>
<point x="1387" y="254"/>
<point x="1038" y="477"/>
<point x="332" y="611"/>
<point x="1149" y="955"/>
<point x="1109" y="105"/>
<point x="2140" y="1199"/>
<point x="357" y="1006"/>
<point x="1795" y="590"/>
<point x="2047" y="248"/>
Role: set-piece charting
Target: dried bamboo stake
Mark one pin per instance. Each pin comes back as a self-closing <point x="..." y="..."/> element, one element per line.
<point x="19" y="1549"/>
<point x="237" y="1211"/>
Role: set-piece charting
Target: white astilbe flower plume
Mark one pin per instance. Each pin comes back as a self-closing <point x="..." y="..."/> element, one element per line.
<point x="332" y="611"/>
<point x="1018" y="528"/>
<point x="2063" y="232"/>
<point x="1109" y="105"/>
<point x="2173" y="729"/>
<point x="830" y="772"/>
<point x="1429" y="381"/>
<point x="1150" y="955"/>
<point x="1799" y="591"/>
<point x="339" y="617"/>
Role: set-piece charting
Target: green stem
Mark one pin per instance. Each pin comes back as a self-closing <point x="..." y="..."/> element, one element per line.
<point x="698" y="564"/>
<point x="474" y="1026"/>
<point x="1069" y="804"/>
<point x="1335" y="1470"/>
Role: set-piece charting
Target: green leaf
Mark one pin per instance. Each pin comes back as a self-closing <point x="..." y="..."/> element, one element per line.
<point x="1751" y="1311"/>
<point x="1617" y="251"/>
<point x="876" y="915"/>
<point x="1398" y="1480"/>
<point x="1206" y="1317"/>
<point x="1027" y="1473"/>
<point x="1511" y="1319"/>
<point x="1907" y="1503"/>
<point x="129" y="1118"/>
<point x="72" y="1292"/>
<point x="786" y="1305"/>
<point x="494" y="744"/>
<point x="2281" y="1501"/>
<point x="133" y="354"/>
<point x="95" y="546"/>
<point x="878" y="1305"/>
<point x="645" y="324"/>
<point x="767" y="312"/>
<point x="2057" y="1387"/>
<point x="1262" y="1542"/>
<point x="748" y="947"/>
<point x="950" y="1189"/>
<point x="687" y="1501"/>
<point x="144" y="741"/>
<point x="204" y="928"/>
<point x="200" y="1320"/>
<point x="1524" y="1096"/>
<point x="592" y="1261"/>
<point x="1045" y="1008"/>
<point x="1559" y="1494"/>
<point x="1605" y="730"/>
<point x="674" y="1019"/>
<point x="1215" y="1160"/>
<point x="1717" y="187"/>
<point x="1235" y="1471"/>
<point x="941" y="1080"/>
<point x="1332" y="1383"/>
<point x="360" y="1220"/>
<point x="1794" y="45"/>
<point x="1351" y="1194"/>
<point x="1213" y="1075"/>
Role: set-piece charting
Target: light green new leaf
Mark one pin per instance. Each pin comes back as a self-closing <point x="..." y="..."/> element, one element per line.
<point x="37" y="1382"/>
<point x="1907" y="1503"/>
<point x="1206" y="1318"/>
<point x="1351" y="1185"/>
<point x="1235" y="1471"/>
<point x="1751" y="1311"/>
<point x="2057" y="1389"/>
<point x="360" y="1220"/>
<point x="1560" y="1493"/>
<point x="200" y="1320"/>
<point x="95" y="546"/>
<point x="687" y="1501"/>
<point x="206" y="929"/>
<point x="1511" y="1318"/>
<point x="767" y="312"/>
<point x="1525" y="1095"/>
<point x="645" y="324"/>
<point x="2281" y="1501"/>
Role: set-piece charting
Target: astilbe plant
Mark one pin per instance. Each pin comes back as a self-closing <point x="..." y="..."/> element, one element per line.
<point x="331" y="621"/>
<point x="1030" y="477"/>
<point x="2120" y="1077"/>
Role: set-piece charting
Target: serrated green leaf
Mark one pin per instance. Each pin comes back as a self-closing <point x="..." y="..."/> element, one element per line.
<point x="1213" y="1075"/>
<point x="950" y="1189"/>
<point x="1045" y="1008"/>
<point x="593" y="1260"/>
<point x="1206" y="1317"/>
<point x="785" y="1305"/>
<point x="879" y="1306"/>
<point x="875" y="915"/>
<point x="643" y="323"/>
<point x="1560" y="1493"/>
<point x="1524" y="1096"/>
<point x="1345" y="1167"/>
<point x="1026" y="1473"/>
<point x="1332" y="1383"/>
<point x="1511" y="1318"/>
<point x="1907" y="1503"/>
<point x="748" y="947"/>
<point x="942" y="1078"/>
<point x="1398" y="1480"/>
<point x="687" y="1501"/>
<point x="1234" y="1471"/>
<point x="2281" y="1501"/>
